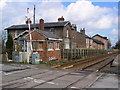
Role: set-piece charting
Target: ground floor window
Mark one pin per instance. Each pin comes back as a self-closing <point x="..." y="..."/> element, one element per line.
<point x="67" y="44"/>
<point x="57" y="45"/>
<point x="50" y="45"/>
<point x="37" y="45"/>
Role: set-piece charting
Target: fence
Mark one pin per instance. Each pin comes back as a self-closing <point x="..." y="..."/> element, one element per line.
<point x="69" y="54"/>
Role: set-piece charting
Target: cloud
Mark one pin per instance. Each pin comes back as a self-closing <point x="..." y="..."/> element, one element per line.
<point x="83" y="13"/>
<point x="114" y="32"/>
<point x="3" y="3"/>
<point x="114" y="36"/>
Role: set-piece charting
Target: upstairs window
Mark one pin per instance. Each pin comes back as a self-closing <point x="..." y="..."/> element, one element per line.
<point x="67" y="34"/>
<point x="16" y="33"/>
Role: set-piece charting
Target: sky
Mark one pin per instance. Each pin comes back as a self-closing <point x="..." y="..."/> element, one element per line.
<point x="96" y="17"/>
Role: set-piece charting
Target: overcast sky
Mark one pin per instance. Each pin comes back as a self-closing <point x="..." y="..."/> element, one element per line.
<point x="96" y="17"/>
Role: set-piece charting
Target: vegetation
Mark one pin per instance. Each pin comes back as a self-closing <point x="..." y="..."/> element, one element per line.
<point x="9" y="46"/>
<point x="58" y="62"/>
<point x="117" y="46"/>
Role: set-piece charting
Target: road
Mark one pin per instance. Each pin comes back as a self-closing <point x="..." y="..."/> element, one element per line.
<point x="45" y="78"/>
<point x="34" y="76"/>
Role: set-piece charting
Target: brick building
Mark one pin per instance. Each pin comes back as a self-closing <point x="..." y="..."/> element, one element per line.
<point x="97" y="44"/>
<point x="71" y="38"/>
<point x="102" y="39"/>
<point x="45" y="43"/>
<point x="81" y="39"/>
<point x="64" y="29"/>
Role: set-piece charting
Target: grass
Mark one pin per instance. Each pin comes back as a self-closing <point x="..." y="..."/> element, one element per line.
<point x="60" y="62"/>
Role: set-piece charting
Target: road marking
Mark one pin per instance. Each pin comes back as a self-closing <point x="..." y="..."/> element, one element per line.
<point x="73" y="87"/>
<point x="51" y="82"/>
<point x="68" y="67"/>
<point x="38" y="81"/>
<point x="28" y="78"/>
<point x="55" y="66"/>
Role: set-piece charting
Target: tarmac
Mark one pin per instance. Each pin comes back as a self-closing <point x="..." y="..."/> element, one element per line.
<point x="109" y="79"/>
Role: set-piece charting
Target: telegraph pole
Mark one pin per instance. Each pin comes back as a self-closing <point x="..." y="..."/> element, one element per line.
<point x="34" y="16"/>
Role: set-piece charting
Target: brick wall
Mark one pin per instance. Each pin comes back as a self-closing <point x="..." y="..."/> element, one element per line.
<point x="105" y="41"/>
<point x="80" y="40"/>
<point x="45" y="54"/>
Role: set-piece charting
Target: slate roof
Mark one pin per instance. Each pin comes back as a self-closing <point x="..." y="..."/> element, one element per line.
<point x="100" y="36"/>
<point x="47" y="34"/>
<point x="98" y="41"/>
<point x="49" y="24"/>
<point x="86" y="36"/>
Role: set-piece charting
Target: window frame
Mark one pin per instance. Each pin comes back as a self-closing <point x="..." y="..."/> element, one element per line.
<point x="57" y="44"/>
<point x="38" y="46"/>
<point x="50" y="48"/>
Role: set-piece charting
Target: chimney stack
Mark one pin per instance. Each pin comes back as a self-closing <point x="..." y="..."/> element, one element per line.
<point x="74" y="27"/>
<point x="82" y="30"/>
<point x="61" y="19"/>
<point x="41" y="24"/>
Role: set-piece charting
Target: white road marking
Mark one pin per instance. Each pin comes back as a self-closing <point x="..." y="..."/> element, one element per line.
<point x="51" y="82"/>
<point x="38" y="81"/>
<point x="73" y="87"/>
<point x="28" y="78"/>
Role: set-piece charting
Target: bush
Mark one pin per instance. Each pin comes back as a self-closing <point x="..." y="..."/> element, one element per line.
<point x="9" y="46"/>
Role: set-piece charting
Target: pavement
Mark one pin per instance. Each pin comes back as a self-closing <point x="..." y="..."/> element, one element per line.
<point x="110" y="78"/>
<point x="106" y="81"/>
<point x="116" y="62"/>
<point x="10" y="68"/>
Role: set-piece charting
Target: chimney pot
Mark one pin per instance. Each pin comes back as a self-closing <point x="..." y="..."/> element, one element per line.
<point x="41" y="24"/>
<point x="82" y="30"/>
<point x="61" y="19"/>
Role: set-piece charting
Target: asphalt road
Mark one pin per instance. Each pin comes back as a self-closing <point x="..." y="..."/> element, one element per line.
<point x="36" y="76"/>
<point x="46" y="78"/>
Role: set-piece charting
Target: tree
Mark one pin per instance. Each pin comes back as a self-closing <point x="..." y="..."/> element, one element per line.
<point x="109" y="44"/>
<point x="9" y="46"/>
<point x="117" y="46"/>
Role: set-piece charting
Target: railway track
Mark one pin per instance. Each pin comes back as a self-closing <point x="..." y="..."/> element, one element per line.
<point x="93" y="65"/>
<point x="36" y="81"/>
<point x="87" y="63"/>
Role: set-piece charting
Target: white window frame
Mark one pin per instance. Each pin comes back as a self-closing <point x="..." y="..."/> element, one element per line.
<point x="49" y="47"/>
<point x="16" y="33"/>
<point x="57" y="46"/>
<point x="67" y="34"/>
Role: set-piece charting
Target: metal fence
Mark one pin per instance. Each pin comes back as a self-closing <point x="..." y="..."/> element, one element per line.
<point x="70" y="54"/>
